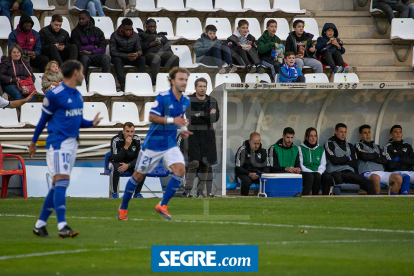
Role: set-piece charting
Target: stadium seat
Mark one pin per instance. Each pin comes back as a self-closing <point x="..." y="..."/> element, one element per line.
<point x="91" y="109"/>
<point x="282" y="27"/>
<point x="72" y="7"/>
<point x="256" y="78"/>
<point x="38" y="83"/>
<point x="184" y="53"/>
<point x="316" y="78"/>
<point x="83" y="90"/>
<point x="223" y="27"/>
<point x="146" y="6"/>
<point x="257" y="5"/>
<point x="311" y="26"/>
<point x="413" y="59"/>
<point x="163" y="82"/>
<point x="65" y="23"/>
<point x="42" y="5"/>
<point x="30" y="113"/>
<point x="164" y="25"/>
<point x="229" y="6"/>
<point x="287" y="6"/>
<point x="226" y="78"/>
<point x="402" y="28"/>
<point x="8" y="118"/>
<point x="200" y="5"/>
<point x="123" y="112"/>
<point x="172" y="5"/>
<point x="254" y="26"/>
<point x="36" y="25"/>
<point x="105" y="24"/>
<point x="139" y="84"/>
<point x="346" y="78"/>
<point x="7" y="174"/>
<point x="136" y="21"/>
<point x="191" y="81"/>
<point x="188" y="28"/>
<point x="103" y="84"/>
<point x="1" y="53"/>
<point x="5" y="29"/>
<point x="147" y="109"/>
<point x="113" y="9"/>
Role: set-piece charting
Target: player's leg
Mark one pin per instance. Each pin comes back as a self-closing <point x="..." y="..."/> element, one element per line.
<point x="407" y="178"/>
<point x="376" y="180"/>
<point x="395" y="181"/>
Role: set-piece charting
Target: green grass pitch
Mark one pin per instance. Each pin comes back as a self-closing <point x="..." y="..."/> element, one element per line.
<point x="345" y="236"/>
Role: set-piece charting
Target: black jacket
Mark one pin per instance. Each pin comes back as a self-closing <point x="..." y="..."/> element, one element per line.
<point x="121" y="45"/>
<point x="89" y="38"/>
<point x="49" y="37"/>
<point x="248" y="161"/>
<point x="293" y="42"/>
<point x="120" y="155"/>
<point x="401" y="150"/>
<point x="273" y="163"/>
<point x="321" y="45"/>
<point x="371" y="157"/>
<point x="7" y="72"/>
<point x="147" y="38"/>
<point x="343" y="160"/>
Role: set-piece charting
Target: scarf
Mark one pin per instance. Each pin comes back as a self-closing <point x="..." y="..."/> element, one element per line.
<point x="291" y="72"/>
<point x="309" y="145"/>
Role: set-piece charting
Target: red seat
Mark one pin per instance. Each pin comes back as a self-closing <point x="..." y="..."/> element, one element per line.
<point x="7" y="174"/>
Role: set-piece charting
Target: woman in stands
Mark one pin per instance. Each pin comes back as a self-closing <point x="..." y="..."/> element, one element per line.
<point x="91" y="5"/>
<point x="15" y="66"/>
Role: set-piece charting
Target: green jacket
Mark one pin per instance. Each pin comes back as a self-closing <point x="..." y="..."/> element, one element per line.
<point x="280" y="157"/>
<point x="312" y="159"/>
<point x="266" y="44"/>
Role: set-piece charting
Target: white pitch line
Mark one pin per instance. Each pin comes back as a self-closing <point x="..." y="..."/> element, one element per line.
<point x="337" y="241"/>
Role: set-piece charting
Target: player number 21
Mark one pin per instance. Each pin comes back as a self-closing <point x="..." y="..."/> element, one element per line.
<point x="144" y="162"/>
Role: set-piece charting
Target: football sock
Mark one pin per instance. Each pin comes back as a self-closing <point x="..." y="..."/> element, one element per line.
<point x="405" y="187"/>
<point x="172" y="186"/>
<point x="129" y="191"/>
<point x="393" y="193"/>
<point x="59" y="200"/>
<point x="48" y="208"/>
<point x="379" y="194"/>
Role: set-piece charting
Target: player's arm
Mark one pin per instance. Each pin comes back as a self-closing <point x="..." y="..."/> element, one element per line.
<point x="88" y="124"/>
<point x="330" y="155"/>
<point x="392" y="165"/>
<point x="19" y="103"/>
<point x="179" y="121"/>
<point x="365" y="156"/>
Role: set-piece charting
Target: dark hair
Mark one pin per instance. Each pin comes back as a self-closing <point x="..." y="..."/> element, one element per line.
<point x="85" y="12"/>
<point x="150" y="20"/>
<point x="15" y="46"/>
<point x="289" y="54"/>
<point x="395" y="126"/>
<point x="361" y="128"/>
<point x="309" y="130"/>
<point x="176" y="70"/>
<point x="288" y="130"/>
<point x="57" y="17"/>
<point x="297" y="22"/>
<point x="211" y="28"/>
<point x="271" y="21"/>
<point x="243" y="22"/>
<point x="126" y="22"/>
<point x="199" y="80"/>
<point x="340" y="125"/>
<point x="128" y="124"/>
<point x="69" y="67"/>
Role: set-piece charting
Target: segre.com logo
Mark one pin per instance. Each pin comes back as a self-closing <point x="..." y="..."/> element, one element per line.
<point x="205" y="258"/>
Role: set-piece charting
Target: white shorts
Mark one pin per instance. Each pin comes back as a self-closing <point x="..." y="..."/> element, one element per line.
<point x="409" y="173"/>
<point x="61" y="161"/>
<point x="384" y="176"/>
<point x="149" y="159"/>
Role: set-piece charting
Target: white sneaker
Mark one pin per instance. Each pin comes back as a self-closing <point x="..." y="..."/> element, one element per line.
<point x="5" y="96"/>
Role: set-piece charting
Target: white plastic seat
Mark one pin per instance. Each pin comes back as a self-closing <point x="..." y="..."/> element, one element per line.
<point x="287" y="6"/>
<point x="282" y="27"/>
<point x="257" y="5"/>
<point x="311" y="26"/>
<point x="191" y="82"/>
<point x="147" y="109"/>
<point x="1" y="53"/>
<point x="164" y="25"/>
<point x="316" y="78"/>
<point x="413" y="59"/>
<point x="200" y="5"/>
<point x="65" y="23"/>
<point x="72" y="7"/>
<point x="5" y="29"/>
<point x="163" y="82"/>
<point x="90" y="109"/>
<point x="103" y="84"/>
<point x="402" y="28"/>
<point x="146" y="6"/>
<point x="42" y="5"/>
<point x="188" y="28"/>
<point x="105" y="24"/>
<point x="229" y="5"/>
<point x="136" y="21"/>
<point x="123" y="112"/>
<point x="83" y="90"/>
<point x="346" y="78"/>
<point x="223" y="27"/>
<point x="172" y="5"/>
<point x="184" y="53"/>
<point x="256" y="78"/>
<point x="36" y="25"/>
<point x="226" y="78"/>
<point x="254" y="26"/>
<point x="8" y="118"/>
<point x="38" y="83"/>
<point x="30" y="113"/>
<point x="139" y="84"/>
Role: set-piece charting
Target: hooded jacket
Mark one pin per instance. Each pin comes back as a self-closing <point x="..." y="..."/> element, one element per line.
<point x="281" y="157"/>
<point x="7" y="73"/>
<point x="49" y="78"/>
<point x="49" y="37"/>
<point x="234" y="41"/>
<point x="340" y="160"/>
<point x="400" y="156"/>
<point x="293" y="42"/>
<point x="203" y="45"/>
<point x="147" y="38"/>
<point x="248" y="161"/>
<point x="266" y="44"/>
<point x="121" y="45"/>
<point x="312" y="159"/>
<point x="87" y="37"/>
<point x="121" y="155"/>
<point x="321" y="45"/>
<point x="29" y="41"/>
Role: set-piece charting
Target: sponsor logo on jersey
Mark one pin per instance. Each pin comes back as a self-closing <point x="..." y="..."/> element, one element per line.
<point x="74" y="112"/>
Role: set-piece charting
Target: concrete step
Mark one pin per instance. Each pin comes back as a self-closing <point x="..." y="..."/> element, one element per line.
<point x="364" y="8"/>
<point x="354" y="31"/>
<point x="369" y="59"/>
<point x="384" y="73"/>
<point x="368" y="45"/>
<point x="331" y="5"/>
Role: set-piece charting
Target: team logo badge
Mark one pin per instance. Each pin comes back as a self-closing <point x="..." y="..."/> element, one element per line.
<point x="405" y="150"/>
<point x="143" y="168"/>
<point x="45" y="102"/>
<point x="248" y="155"/>
<point x="134" y="148"/>
<point x="66" y="167"/>
<point x="155" y="104"/>
<point x="259" y="155"/>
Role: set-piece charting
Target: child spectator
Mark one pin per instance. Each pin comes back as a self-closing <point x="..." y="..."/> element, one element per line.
<point x="52" y="77"/>
<point x="211" y="51"/>
<point x="267" y="45"/>
<point x="329" y="48"/>
<point x="300" y="43"/>
<point x="244" y="48"/>
<point x="289" y="71"/>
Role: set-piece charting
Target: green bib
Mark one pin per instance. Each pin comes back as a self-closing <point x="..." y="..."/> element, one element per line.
<point x="312" y="158"/>
<point x="286" y="157"/>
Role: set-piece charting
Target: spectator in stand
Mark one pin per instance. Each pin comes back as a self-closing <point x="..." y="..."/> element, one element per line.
<point x="330" y="50"/>
<point x="342" y="161"/>
<point x="267" y="45"/>
<point x="125" y="148"/>
<point x="128" y="10"/>
<point x="90" y="41"/>
<point x="289" y="71"/>
<point x="372" y="162"/>
<point x="52" y="77"/>
<point x="211" y="51"/>
<point x="91" y="5"/>
<point x="125" y="49"/>
<point x="410" y="4"/>
<point x="9" y="74"/>
<point x="157" y="49"/>
<point x="400" y="158"/>
<point x="29" y="40"/>
<point x="300" y="42"/>
<point x="250" y="163"/>
<point x="25" y="5"/>
<point x="56" y="41"/>
<point x="389" y="6"/>
<point x="244" y="49"/>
